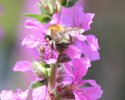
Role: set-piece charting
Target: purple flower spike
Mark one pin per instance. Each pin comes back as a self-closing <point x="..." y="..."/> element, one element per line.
<point x="62" y="54"/>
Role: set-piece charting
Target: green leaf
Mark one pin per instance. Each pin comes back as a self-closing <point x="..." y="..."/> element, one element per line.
<point x="68" y="3"/>
<point x="41" y="17"/>
<point x="38" y="84"/>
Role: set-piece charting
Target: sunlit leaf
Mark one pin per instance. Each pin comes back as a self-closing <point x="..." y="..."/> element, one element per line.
<point x="40" y="17"/>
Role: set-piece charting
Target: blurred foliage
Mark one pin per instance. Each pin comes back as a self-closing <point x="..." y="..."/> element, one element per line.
<point x="9" y="19"/>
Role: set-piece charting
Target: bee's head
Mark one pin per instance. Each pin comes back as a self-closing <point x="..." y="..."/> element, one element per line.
<point x="55" y="28"/>
<point x="53" y="31"/>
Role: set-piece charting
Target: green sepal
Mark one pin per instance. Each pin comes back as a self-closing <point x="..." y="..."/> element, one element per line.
<point x="38" y="84"/>
<point x="45" y="65"/>
<point x="68" y="3"/>
<point x="43" y="18"/>
<point x="41" y="69"/>
<point x="44" y="11"/>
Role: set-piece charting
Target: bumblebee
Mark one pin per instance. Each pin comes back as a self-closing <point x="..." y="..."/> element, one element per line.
<point x="60" y="36"/>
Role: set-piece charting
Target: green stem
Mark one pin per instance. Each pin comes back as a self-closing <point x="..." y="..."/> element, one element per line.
<point x="52" y="79"/>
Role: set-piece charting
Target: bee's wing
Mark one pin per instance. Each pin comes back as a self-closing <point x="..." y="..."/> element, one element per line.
<point x="70" y="30"/>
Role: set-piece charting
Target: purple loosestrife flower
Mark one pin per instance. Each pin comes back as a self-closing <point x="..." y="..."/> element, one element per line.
<point x="76" y="70"/>
<point x="75" y="17"/>
<point x="93" y="92"/>
<point x="37" y="40"/>
<point x="85" y="49"/>
<point x="89" y="47"/>
<point x="10" y="95"/>
<point x="71" y="17"/>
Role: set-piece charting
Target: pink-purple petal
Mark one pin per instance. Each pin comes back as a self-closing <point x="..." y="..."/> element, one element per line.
<point x="68" y="69"/>
<point x="75" y="17"/>
<point x="79" y="69"/>
<point x="93" y="42"/>
<point x="86" y="62"/>
<point x="23" y="66"/>
<point x="30" y="41"/>
<point x="93" y="92"/>
<point x="40" y="93"/>
<point x="87" y="20"/>
<point x="79" y="96"/>
<point x="73" y="52"/>
<point x="23" y="95"/>
<point x="10" y="95"/>
<point x="33" y="24"/>
<point x="50" y="57"/>
<point x="55" y="19"/>
<point x="88" y="52"/>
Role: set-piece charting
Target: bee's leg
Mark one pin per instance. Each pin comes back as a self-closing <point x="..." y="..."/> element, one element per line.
<point x="70" y="39"/>
<point x="62" y="58"/>
<point x="52" y="46"/>
<point x="61" y="47"/>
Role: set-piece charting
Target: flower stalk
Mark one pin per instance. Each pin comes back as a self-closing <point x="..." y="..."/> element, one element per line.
<point x="52" y="81"/>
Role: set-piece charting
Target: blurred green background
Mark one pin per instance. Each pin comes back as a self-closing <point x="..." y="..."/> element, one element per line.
<point x="10" y="15"/>
<point x="108" y="26"/>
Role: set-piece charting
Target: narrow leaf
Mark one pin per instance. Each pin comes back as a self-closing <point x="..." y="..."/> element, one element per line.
<point x="41" y="17"/>
<point x="68" y="3"/>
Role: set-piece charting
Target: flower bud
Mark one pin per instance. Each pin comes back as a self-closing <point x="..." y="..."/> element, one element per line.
<point x="49" y="7"/>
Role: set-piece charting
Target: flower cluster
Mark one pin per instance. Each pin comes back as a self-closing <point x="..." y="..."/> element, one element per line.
<point x="62" y="55"/>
